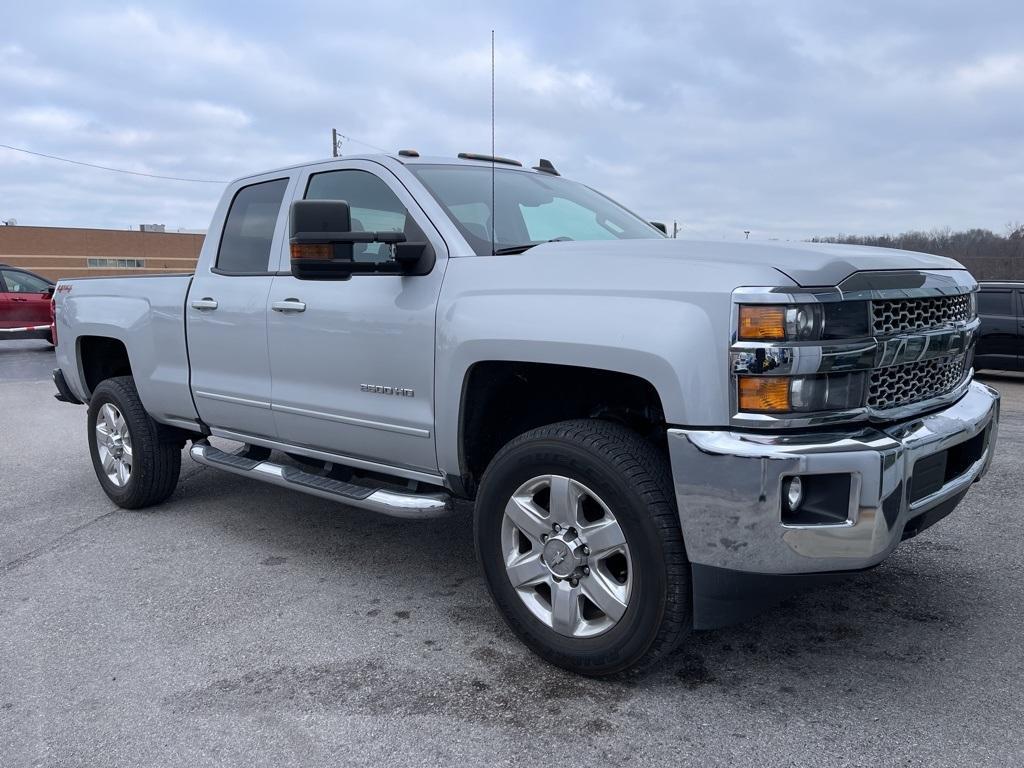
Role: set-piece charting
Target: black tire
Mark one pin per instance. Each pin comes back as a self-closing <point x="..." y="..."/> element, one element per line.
<point x="156" y="450"/>
<point x="633" y="478"/>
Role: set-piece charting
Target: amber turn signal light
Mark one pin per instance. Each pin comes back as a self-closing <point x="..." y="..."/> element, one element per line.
<point x="765" y="394"/>
<point x="312" y="251"/>
<point x="762" y="323"/>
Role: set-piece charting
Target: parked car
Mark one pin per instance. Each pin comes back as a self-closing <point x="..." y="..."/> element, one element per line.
<point x="25" y="300"/>
<point x="1001" y="335"/>
<point x="658" y="434"/>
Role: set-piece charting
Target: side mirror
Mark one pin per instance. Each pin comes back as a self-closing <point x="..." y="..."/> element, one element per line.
<point x="321" y="239"/>
<point x="50" y="290"/>
<point x="660" y="225"/>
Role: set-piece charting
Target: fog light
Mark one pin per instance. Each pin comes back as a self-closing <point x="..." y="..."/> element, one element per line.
<point x="793" y="492"/>
<point x="817" y="499"/>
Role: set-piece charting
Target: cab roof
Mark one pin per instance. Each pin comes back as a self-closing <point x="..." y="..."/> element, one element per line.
<point x="470" y="159"/>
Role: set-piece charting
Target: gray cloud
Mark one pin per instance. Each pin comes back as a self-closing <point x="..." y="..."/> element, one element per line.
<point x="786" y="118"/>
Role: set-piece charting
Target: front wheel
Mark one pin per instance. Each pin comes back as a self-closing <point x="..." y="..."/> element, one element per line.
<point x="135" y="461"/>
<point x="577" y="532"/>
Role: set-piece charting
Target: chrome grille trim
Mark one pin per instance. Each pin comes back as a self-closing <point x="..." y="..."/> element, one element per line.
<point x="901" y="385"/>
<point x="919" y="355"/>
<point x="891" y="317"/>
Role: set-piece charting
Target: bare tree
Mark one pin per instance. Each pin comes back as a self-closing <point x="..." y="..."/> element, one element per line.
<point x="987" y="255"/>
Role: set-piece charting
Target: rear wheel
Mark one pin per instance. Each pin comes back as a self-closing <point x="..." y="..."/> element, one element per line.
<point x="578" y="535"/>
<point x="136" y="460"/>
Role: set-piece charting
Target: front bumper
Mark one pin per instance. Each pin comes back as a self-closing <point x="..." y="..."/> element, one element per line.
<point x="729" y="488"/>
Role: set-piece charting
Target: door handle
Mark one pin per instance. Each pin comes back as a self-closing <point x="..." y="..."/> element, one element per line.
<point x="205" y="303"/>
<point x="18" y="298"/>
<point x="288" y="305"/>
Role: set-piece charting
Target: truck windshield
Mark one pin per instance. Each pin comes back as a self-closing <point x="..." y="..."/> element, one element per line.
<point x="530" y="208"/>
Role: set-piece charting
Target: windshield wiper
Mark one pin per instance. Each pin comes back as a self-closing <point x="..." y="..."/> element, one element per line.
<point x="511" y="249"/>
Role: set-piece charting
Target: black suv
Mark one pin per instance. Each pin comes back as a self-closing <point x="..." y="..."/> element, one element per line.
<point x="1001" y="336"/>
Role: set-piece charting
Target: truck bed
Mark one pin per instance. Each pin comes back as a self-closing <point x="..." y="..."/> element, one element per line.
<point x="146" y="313"/>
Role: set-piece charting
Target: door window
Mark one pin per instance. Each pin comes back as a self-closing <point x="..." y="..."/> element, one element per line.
<point x="21" y="282"/>
<point x="249" y="228"/>
<point x="373" y="206"/>
<point x="995" y="303"/>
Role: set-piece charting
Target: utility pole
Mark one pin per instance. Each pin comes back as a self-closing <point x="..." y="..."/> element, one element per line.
<point x="675" y="229"/>
<point x="334" y="142"/>
<point x="746" y="233"/>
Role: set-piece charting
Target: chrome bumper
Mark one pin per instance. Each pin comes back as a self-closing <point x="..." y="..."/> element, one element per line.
<point x="729" y="488"/>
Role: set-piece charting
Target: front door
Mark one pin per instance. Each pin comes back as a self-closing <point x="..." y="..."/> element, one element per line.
<point x="27" y="300"/>
<point x="352" y="361"/>
<point x="226" y="311"/>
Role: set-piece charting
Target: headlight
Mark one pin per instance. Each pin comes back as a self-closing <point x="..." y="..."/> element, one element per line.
<point x="801" y="394"/>
<point x="803" y="322"/>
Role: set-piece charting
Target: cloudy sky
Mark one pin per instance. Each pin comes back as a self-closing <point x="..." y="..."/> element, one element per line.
<point x="785" y="118"/>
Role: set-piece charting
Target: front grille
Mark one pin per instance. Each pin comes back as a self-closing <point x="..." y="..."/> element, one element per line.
<point x="908" y="315"/>
<point x="904" y="384"/>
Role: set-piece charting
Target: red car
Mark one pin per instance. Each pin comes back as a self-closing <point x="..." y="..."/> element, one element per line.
<point x="25" y="300"/>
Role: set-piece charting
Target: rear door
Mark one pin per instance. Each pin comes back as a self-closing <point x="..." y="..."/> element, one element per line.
<point x="997" y="337"/>
<point x="27" y="299"/>
<point x="226" y="309"/>
<point x="353" y="370"/>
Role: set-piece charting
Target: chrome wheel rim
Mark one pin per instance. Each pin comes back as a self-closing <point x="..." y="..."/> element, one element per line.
<point x="114" y="444"/>
<point x="566" y="556"/>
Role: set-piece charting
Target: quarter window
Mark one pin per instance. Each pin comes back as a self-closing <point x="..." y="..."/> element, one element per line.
<point x="249" y="228"/>
<point x="373" y="206"/>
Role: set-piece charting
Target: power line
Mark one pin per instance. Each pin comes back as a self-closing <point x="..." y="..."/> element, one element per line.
<point x="364" y="143"/>
<point x="108" y="168"/>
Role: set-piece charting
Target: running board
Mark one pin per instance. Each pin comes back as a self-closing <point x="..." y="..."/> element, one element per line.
<point x="387" y="502"/>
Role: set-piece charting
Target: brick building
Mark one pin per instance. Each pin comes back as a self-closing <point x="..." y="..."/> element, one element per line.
<point x="57" y="252"/>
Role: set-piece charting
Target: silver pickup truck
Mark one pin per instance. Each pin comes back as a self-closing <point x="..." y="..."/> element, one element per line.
<point x="659" y="435"/>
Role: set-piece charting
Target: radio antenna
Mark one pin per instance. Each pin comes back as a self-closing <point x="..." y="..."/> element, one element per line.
<point x="493" y="211"/>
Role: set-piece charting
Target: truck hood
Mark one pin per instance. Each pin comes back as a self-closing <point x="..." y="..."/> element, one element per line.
<point x="806" y="264"/>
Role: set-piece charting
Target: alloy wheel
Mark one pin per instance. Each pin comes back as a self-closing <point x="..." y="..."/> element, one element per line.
<point x="114" y="444"/>
<point x="566" y="556"/>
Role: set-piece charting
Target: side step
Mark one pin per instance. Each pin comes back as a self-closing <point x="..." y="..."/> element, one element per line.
<point x="388" y="502"/>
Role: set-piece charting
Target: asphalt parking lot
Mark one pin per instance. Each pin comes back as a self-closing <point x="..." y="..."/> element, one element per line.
<point x="242" y="624"/>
